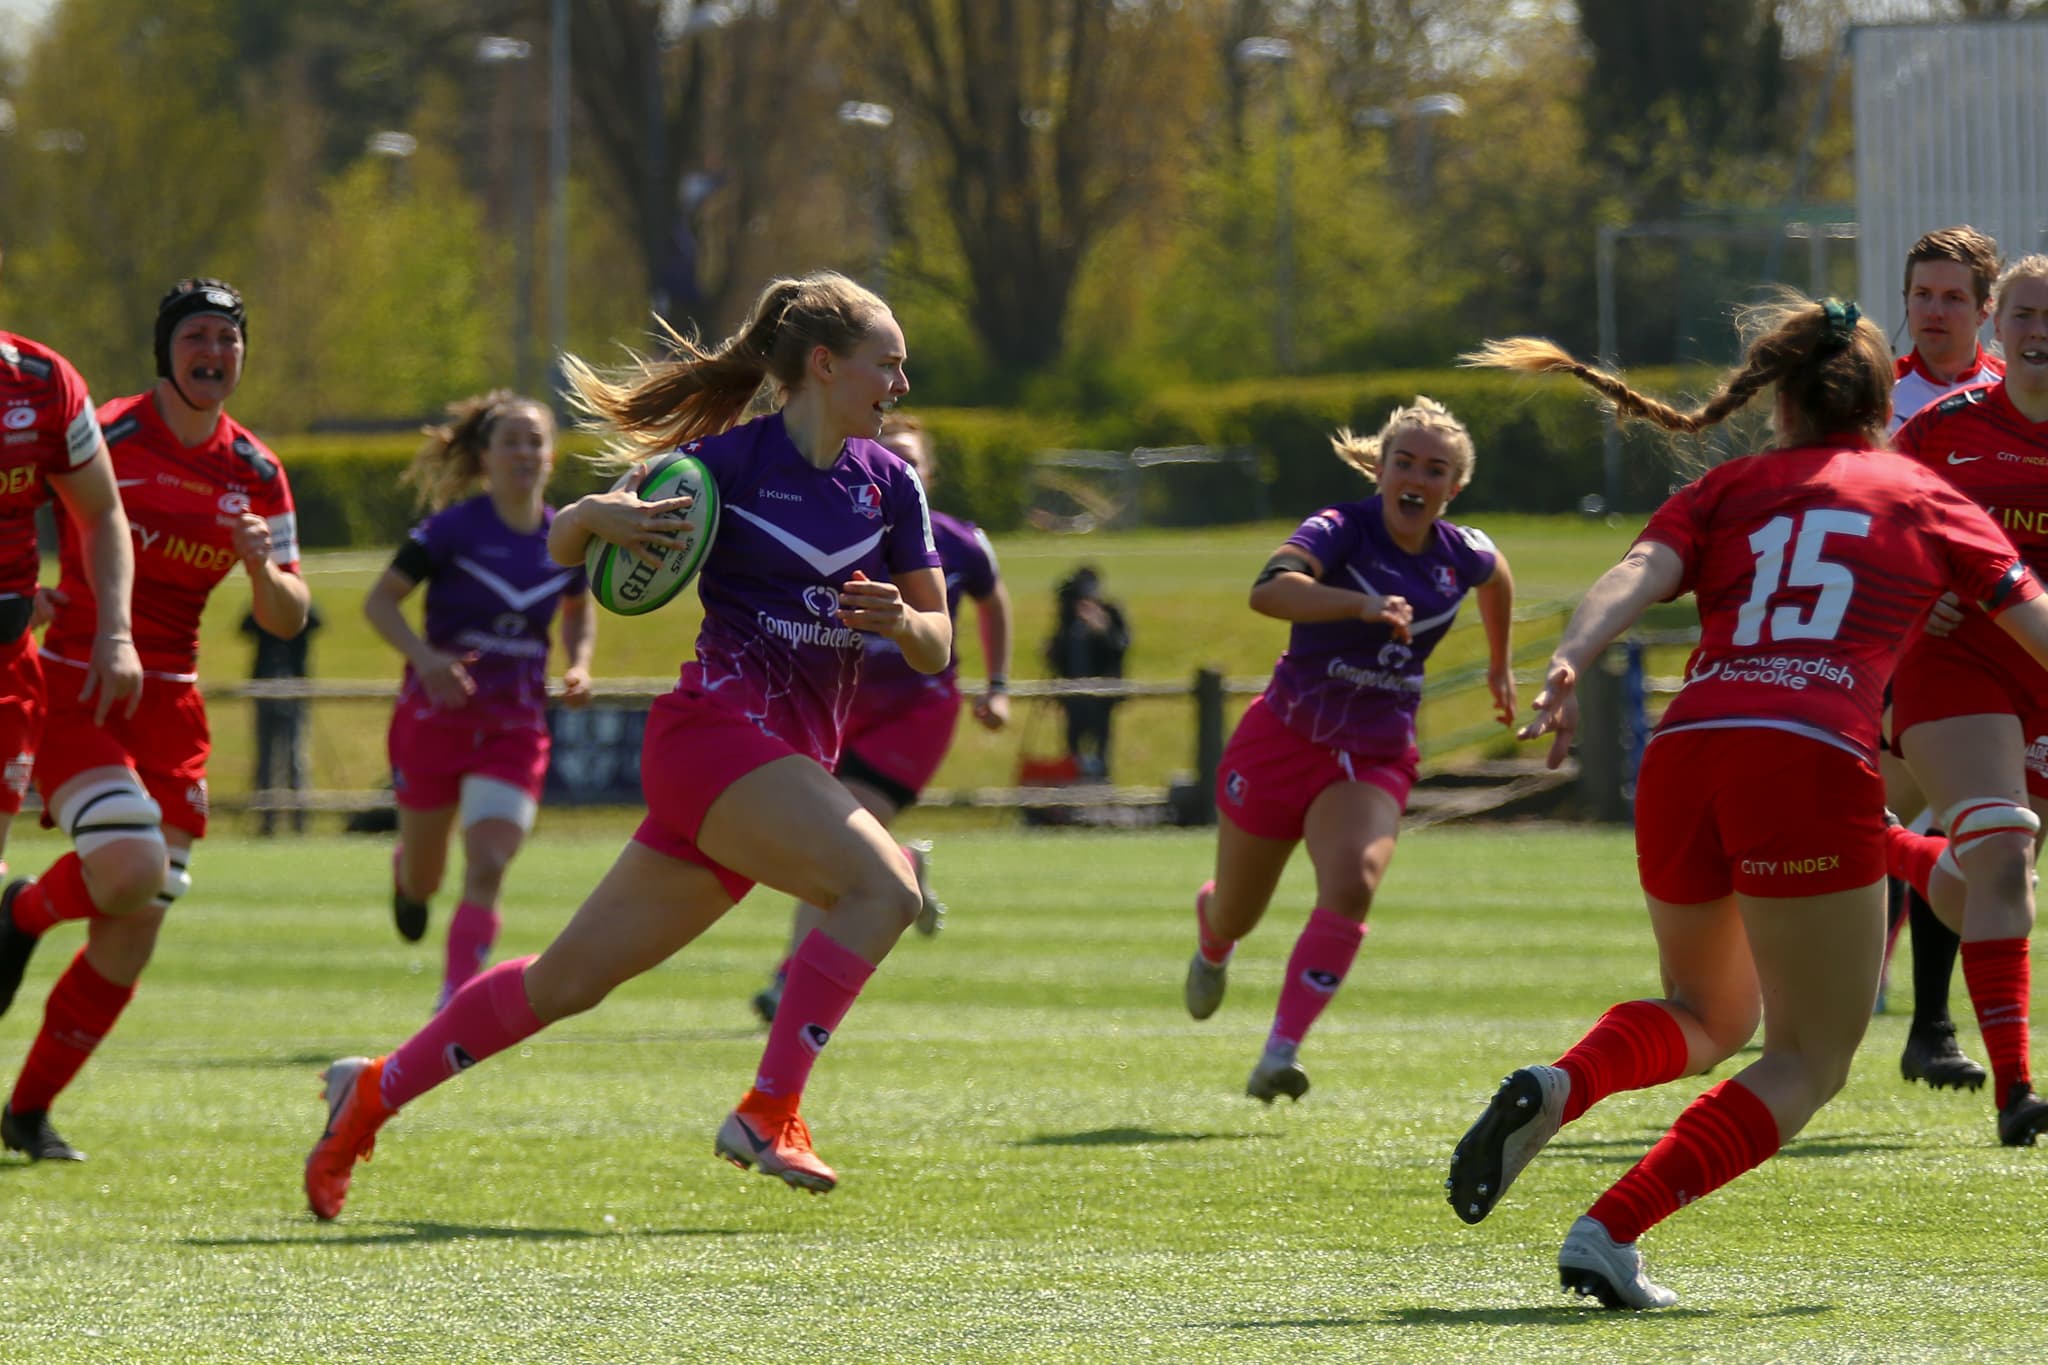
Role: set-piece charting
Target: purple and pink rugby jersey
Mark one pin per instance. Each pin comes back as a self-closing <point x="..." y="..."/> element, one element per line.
<point x="1350" y="685"/>
<point x="772" y="647"/>
<point x="887" y="681"/>
<point x="491" y="592"/>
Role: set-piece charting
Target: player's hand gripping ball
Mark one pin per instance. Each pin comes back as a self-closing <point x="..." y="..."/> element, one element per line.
<point x="622" y="582"/>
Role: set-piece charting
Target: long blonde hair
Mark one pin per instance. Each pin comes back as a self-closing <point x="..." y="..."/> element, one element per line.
<point x="655" y="404"/>
<point x="451" y="460"/>
<point x="1362" y="453"/>
<point x="1828" y="361"/>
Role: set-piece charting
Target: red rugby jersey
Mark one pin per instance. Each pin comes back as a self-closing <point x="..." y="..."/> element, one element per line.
<point x="1813" y="568"/>
<point x="182" y="506"/>
<point x="1988" y="448"/>
<point x="47" y="426"/>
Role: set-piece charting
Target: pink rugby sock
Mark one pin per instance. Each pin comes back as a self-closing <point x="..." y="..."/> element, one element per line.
<point x="824" y="980"/>
<point x="471" y="935"/>
<point x="487" y="1016"/>
<point x="1215" y="949"/>
<point x="1321" y="959"/>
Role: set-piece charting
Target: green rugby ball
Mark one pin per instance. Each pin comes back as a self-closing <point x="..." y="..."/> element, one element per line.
<point x="620" y="581"/>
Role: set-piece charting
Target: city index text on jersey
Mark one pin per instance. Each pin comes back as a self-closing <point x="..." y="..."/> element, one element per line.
<point x="197" y="553"/>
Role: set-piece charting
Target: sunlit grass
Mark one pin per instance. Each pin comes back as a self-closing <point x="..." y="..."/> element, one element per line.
<point x="1042" y="1157"/>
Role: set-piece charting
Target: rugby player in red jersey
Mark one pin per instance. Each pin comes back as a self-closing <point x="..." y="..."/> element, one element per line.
<point x="203" y="497"/>
<point x="1949" y="274"/>
<point x="1970" y="709"/>
<point x="50" y="443"/>
<point x="1761" y="837"/>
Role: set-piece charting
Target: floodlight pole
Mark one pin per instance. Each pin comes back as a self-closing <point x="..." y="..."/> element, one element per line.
<point x="1609" y="346"/>
<point x="558" y="192"/>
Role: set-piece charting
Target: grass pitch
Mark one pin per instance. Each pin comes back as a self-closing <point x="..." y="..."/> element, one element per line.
<point x="1042" y="1157"/>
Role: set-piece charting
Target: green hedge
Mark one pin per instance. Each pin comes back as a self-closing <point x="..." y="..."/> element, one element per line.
<point x="1539" y="444"/>
<point x="348" y="492"/>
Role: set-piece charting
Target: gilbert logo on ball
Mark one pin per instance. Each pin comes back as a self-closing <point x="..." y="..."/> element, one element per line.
<point x="624" y="583"/>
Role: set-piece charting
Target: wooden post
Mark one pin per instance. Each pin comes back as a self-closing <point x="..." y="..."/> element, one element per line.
<point x="1208" y="741"/>
<point x="1603" y="745"/>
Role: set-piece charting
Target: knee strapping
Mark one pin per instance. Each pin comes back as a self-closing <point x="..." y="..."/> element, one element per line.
<point x="1982" y="817"/>
<point x="177" y="876"/>
<point x="489" y="798"/>
<point x="107" y="813"/>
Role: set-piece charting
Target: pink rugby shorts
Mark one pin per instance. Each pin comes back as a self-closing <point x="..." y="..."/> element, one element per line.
<point x="1270" y="775"/>
<point x="431" y="753"/>
<point x="692" y="750"/>
<point x="1755" y="810"/>
<point x="904" y="743"/>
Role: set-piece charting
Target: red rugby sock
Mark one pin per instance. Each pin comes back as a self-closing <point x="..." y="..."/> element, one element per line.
<point x="1910" y="857"/>
<point x="1719" y="1136"/>
<point x="56" y="896"/>
<point x="1999" y="973"/>
<point x="81" y="1010"/>
<point x="1635" y="1045"/>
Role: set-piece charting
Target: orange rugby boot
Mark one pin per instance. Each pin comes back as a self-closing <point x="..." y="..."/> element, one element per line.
<point x="355" y="1111"/>
<point x="777" y="1142"/>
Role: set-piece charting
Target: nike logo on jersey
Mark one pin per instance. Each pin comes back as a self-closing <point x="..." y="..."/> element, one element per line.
<point x="827" y="565"/>
<point x="1954" y="458"/>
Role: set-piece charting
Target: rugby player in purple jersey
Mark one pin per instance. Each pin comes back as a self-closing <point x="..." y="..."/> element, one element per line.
<point x="469" y="735"/>
<point x="1327" y="753"/>
<point x="824" y="542"/>
<point x="903" y="720"/>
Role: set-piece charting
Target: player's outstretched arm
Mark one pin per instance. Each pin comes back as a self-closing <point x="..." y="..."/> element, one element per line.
<point x="1650" y="572"/>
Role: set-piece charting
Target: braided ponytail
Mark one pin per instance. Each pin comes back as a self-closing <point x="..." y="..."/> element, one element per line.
<point x="1829" y="362"/>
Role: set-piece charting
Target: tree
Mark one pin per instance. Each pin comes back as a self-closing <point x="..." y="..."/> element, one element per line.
<point x="705" y="118"/>
<point x="1046" y="123"/>
<point x="1676" y="83"/>
<point x="132" y="192"/>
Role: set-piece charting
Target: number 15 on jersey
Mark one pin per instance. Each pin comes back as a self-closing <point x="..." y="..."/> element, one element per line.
<point x="1804" y="536"/>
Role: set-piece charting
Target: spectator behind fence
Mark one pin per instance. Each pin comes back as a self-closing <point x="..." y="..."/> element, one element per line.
<point x="1089" y="641"/>
<point x="281" y="721"/>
